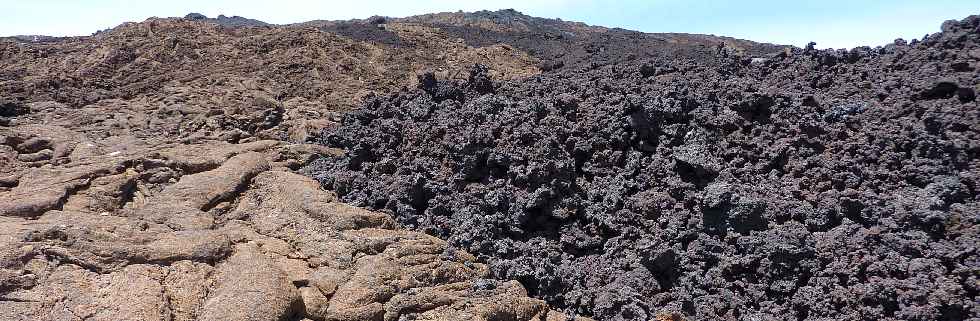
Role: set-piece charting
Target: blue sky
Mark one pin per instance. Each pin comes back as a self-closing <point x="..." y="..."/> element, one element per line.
<point x="831" y="23"/>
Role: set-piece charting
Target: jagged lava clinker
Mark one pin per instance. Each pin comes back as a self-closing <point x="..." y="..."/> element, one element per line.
<point x="804" y="184"/>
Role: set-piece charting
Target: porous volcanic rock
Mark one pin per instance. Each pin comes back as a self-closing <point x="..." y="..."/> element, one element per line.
<point x="805" y="184"/>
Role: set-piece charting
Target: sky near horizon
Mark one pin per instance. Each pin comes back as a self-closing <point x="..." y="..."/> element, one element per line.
<point x="830" y="23"/>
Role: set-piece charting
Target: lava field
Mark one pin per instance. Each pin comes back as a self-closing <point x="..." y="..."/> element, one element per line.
<point x="800" y="184"/>
<point x="485" y="166"/>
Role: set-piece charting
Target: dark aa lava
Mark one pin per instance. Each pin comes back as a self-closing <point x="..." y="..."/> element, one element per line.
<point x="802" y="184"/>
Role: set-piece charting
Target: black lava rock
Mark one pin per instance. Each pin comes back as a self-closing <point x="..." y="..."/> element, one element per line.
<point x="787" y="190"/>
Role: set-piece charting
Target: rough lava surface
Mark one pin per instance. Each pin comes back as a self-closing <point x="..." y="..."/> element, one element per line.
<point x="147" y="172"/>
<point x="802" y="184"/>
<point x="503" y="167"/>
<point x="220" y="231"/>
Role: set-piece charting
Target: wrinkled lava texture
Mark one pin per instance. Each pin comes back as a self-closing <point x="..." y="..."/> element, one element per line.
<point x="803" y="184"/>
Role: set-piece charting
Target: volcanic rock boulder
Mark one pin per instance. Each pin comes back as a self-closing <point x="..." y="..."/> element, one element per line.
<point x="249" y="286"/>
<point x="810" y="184"/>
